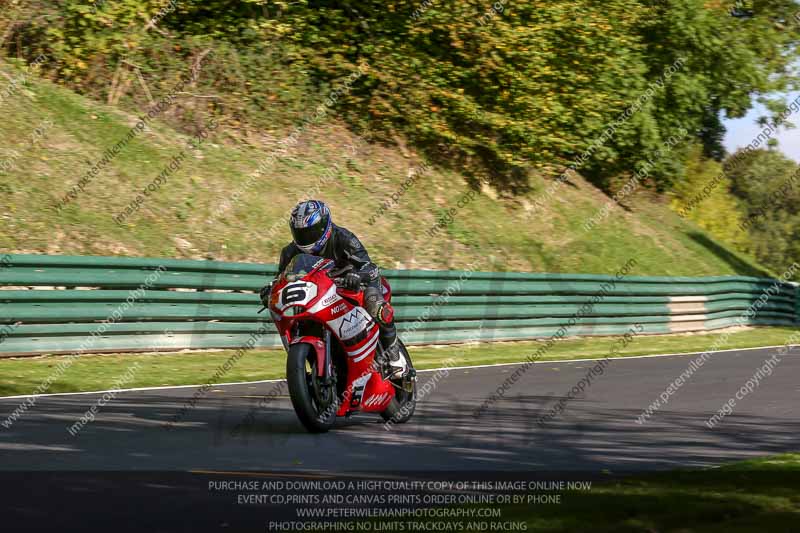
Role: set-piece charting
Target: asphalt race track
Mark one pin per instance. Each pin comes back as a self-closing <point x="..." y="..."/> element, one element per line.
<point x="597" y="431"/>
<point x="125" y="472"/>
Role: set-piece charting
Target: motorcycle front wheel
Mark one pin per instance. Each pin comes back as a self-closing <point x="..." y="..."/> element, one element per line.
<point x="314" y="402"/>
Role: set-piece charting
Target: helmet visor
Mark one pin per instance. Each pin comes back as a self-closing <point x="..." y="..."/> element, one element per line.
<point x="310" y="235"/>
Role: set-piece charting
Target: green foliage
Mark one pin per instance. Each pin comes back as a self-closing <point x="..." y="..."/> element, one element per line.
<point x="502" y="90"/>
<point x="768" y="185"/>
<point x="113" y="52"/>
<point x="720" y="213"/>
<point x="755" y="207"/>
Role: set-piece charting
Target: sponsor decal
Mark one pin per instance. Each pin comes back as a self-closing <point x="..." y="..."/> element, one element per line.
<point x="358" y="389"/>
<point x="351" y="324"/>
<point x="356" y="340"/>
<point x="330" y="297"/>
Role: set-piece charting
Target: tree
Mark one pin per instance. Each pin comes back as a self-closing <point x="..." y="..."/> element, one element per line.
<point x="502" y="88"/>
<point x="767" y="183"/>
<point x="719" y="213"/>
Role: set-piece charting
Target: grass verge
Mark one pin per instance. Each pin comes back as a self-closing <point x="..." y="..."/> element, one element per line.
<point x="756" y="495"/>
<point x="100" y="372"/>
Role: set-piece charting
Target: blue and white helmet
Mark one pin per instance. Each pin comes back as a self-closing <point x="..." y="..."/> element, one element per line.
<point x="311" y="226"/>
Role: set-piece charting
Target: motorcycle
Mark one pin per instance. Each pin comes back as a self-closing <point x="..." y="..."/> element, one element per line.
<point x="336" y="364"/>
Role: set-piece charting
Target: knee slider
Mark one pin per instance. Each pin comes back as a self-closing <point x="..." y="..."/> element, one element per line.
<point x="385" y="314"/>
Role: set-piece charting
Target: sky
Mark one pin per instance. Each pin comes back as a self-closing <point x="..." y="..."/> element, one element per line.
<point x="742" y="131"/>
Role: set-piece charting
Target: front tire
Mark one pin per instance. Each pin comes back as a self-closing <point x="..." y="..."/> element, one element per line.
<point x="314" y="403"/>
<point x="404" y="403"/>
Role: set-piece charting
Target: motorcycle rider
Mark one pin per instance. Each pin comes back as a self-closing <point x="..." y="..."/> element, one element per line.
<point x="313" y="232"/>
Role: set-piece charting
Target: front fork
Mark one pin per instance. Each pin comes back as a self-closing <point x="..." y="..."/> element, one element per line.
<point x="329" y="375"/>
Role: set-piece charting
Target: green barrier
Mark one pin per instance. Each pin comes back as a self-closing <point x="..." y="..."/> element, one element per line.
<point x="62" y="304"/>
<point x="797" y="303"/>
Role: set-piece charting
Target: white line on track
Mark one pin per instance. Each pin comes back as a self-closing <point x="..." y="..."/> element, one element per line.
<point x="168" y="387"/>
<point x="142" y="389"/>
<point x="621" y="358"/>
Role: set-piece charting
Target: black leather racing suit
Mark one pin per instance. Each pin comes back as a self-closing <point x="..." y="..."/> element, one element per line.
<point x="344" y="247"/>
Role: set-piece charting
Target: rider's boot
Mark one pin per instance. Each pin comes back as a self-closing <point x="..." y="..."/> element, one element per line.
<point x="392" y="353"/>
<point x="398" y="364"/>
<point x="383" y="312"/>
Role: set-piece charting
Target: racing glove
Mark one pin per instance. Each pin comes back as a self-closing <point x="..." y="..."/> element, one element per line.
<point x="350" y="281"/>
<point x="264" y="294"/>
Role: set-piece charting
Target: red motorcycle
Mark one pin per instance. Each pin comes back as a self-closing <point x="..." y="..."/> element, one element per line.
<point x="335" y="365"/>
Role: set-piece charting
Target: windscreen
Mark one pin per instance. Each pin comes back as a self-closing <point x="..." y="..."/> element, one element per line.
<point x="302" y="264"/>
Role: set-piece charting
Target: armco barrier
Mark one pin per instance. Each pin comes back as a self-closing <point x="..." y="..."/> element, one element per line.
<point x="60" y="304"/>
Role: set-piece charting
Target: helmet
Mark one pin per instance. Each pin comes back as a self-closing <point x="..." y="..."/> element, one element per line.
<point x="311" y="226"/>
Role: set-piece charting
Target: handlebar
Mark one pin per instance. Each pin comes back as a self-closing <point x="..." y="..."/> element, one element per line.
<point x="340" y="271"/>
<point x="264" y="295"/>
<point x="337" y="274"/>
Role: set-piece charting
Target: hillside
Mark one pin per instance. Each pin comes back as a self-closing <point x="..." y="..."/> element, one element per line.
<point x="211" y="205"/>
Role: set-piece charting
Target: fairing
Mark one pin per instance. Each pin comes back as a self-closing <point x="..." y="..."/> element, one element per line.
<point x="304" y="292"/>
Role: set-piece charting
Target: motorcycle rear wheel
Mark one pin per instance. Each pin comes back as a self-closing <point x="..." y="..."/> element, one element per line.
<point x="314" y="403"/>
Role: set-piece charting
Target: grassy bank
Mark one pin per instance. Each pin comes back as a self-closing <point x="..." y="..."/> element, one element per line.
<point x="55" y="137"/>
<point x="99" y="372"/>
